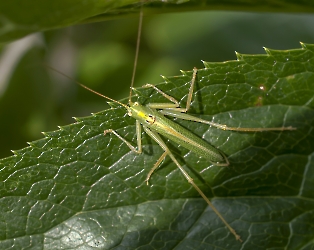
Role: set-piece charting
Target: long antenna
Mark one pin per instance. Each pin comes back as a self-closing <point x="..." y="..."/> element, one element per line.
<point x="136" y="52"/>
<point x="85" y="87"/>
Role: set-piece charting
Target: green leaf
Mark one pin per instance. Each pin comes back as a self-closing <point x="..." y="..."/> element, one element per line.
<point x="78" y="188"/>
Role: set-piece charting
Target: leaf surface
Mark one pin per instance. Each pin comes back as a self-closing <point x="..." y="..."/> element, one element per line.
<point x="77" y="188"/>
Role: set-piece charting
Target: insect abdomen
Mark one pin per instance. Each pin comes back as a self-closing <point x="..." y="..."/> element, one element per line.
<point x="185" y="138"/>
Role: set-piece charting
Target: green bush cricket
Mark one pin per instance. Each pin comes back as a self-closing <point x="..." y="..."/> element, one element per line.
<point x="152" y="117"/>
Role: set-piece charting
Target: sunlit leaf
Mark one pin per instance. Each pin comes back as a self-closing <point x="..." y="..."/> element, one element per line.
<point x="77" y="188"/>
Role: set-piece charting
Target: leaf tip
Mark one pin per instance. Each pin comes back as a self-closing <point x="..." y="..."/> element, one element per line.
<point x="239" y="56"/>
<point x="113" y="105"/>
<point x="45" y="134"/>
<point x="303" y="45"/>
<point x="206" y="64"/>
<point x="165" y="78"/>
<point x="16" y="153"/>
<point x="77" y="119"/>
<point x="268" y="52"/>
<point x="136" y="91"/>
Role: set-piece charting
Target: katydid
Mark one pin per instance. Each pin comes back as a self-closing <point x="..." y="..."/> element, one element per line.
<point x="152" y="117"/>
